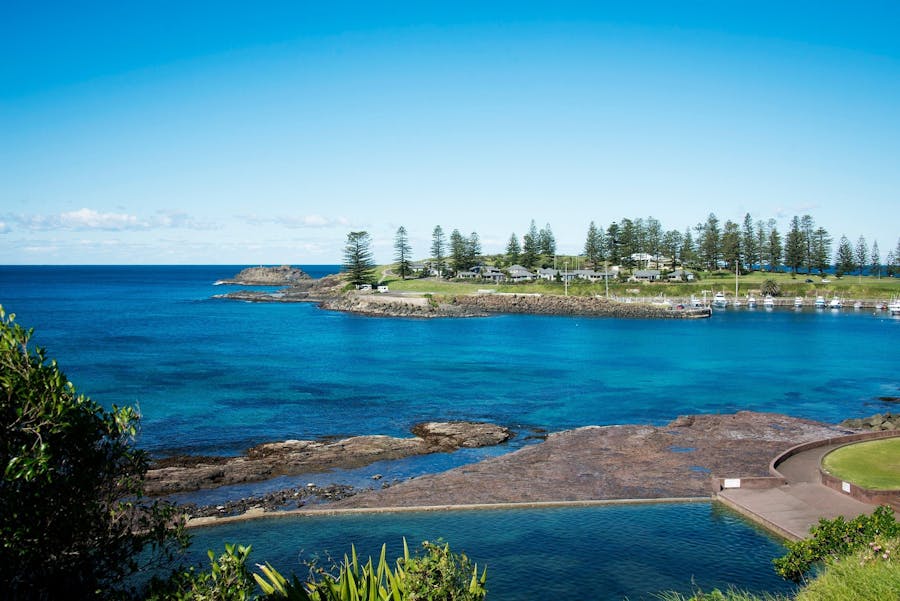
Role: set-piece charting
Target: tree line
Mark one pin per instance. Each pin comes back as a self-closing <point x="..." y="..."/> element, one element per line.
<point x="804" y="247"/>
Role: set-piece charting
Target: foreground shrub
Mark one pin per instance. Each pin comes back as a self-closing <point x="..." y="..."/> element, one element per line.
<point x="833" y="539"/>
<point x="73" y="524"/>
<point x="228" y="579"/>
<point x="437" y="575"/>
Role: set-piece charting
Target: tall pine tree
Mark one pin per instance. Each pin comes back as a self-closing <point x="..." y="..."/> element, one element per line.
<point x="402" y="253"/>
<point x="358" y="263"/>
<point x="438" y="250"/>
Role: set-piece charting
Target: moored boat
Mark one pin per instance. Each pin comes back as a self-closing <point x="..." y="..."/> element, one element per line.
<point x="894" y="307"/>
<point x="719" y="300"/>
<point x="769" y="302"/>
<point x="820" y="302"/>
<point x="836" y="303"/>
<point x="798" y="302"/>
<point x="751" y="301"/>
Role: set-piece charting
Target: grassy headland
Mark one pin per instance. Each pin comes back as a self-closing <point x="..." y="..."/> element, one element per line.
<point x="847" y="287"/>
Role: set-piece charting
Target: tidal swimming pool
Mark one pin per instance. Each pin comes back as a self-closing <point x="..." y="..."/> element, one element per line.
<point x="598" y="552"/>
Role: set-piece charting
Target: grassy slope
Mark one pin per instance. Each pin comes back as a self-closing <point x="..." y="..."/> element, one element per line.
<point x="874" y="464"/>
<point x="863" y="576"/>
<point x="848" y="287"/>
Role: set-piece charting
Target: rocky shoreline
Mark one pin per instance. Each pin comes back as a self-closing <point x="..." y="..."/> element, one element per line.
<point x="877" y="422"/>
<point x="331" y="294"/>
<point x="481" y="305"/>
<point x="287" y="499"/>
<point x="678" y="459"/>
<point x="292" y="457"/>
<point x="593" y="463"/>
<point x="572" y="305"/>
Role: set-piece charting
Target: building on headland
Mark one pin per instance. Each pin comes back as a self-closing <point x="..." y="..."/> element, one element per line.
<point x="680" y="275"/>
<point x="645" y="275"/>
<point x="489" y="272"/>
<point x="517" y="273"/>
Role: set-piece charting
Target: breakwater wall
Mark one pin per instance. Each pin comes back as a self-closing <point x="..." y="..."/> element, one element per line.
<point x="572" y="305"/>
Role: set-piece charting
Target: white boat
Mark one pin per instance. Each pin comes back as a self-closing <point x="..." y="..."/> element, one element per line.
<point x="719" y="300"/>
<point x="769" y="302"/>
<point x="894" y="307"/>
<point x="695" y="302"/>
<point x="857" y="305"/>
<point x="836" y="303"/>
<point x="820" y="302"/>
<point x="798" y="302"/>
<point x="751" y="301"/>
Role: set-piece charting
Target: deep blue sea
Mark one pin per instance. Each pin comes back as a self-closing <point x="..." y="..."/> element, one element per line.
<point x="212" y="376"/>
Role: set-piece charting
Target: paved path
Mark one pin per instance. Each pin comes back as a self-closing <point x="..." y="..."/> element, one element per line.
<point x="791" y="510"/>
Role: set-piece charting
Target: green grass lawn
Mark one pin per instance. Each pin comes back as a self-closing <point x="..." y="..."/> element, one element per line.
<point x="874" y="464"/>
<point x="848" y="287"/>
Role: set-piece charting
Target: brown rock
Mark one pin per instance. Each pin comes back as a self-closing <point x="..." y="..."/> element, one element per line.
<point x="455" y="435"/>
<point x="612" y="462"/>
<point x="290" y="457"/>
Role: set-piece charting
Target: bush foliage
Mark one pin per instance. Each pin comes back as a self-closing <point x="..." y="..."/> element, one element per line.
<point x="73" y="523"/>
<point x="832" y="539"/>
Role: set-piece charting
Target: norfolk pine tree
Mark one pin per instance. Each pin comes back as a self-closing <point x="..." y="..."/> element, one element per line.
<point x="875" y="258"/>
<point x="843" y="261"/>
<point x="438" y="249"/>
<point x="513" y="249"/>
<point x="861" y="254"/>
<point x="358" y="263"/>
<point x="402" y="253"/>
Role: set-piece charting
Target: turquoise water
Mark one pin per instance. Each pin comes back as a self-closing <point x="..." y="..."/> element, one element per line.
<point x="215" y="376"/>
<point x="594" y="553"/>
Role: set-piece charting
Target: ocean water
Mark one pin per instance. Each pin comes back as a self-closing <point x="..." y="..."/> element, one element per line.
<point x="217" y="376"/>
<point x="212" y="376"/>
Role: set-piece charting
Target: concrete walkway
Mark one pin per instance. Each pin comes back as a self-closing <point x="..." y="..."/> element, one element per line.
<point x="792" y="510"/>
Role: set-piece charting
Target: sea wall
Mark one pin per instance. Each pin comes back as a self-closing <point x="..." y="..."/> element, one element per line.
<point x="571" y="305"/>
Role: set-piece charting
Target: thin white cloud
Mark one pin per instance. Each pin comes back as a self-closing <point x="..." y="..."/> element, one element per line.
<point x="314" y="221"/>
<point x="89" y="219"/>
<point x="4" y="227"/>
<point x="86" y="219"/>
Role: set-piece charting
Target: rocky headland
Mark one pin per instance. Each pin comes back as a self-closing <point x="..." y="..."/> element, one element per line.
<point x="300" y="291"/>
<point x="289" y="457"/>
<point x="331" y="293"/>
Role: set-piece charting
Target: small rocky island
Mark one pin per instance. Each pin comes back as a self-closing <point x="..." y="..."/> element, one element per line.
<point x="283" y="275"/>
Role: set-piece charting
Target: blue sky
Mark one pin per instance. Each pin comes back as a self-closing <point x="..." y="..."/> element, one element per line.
<point x="212" y="132"/>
